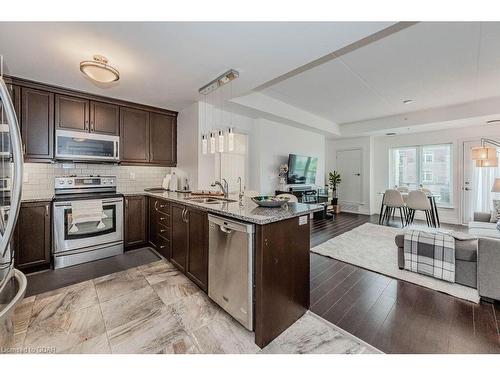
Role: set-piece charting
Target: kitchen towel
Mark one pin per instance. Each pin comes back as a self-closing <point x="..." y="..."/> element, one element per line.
<point x="86" y="211"/>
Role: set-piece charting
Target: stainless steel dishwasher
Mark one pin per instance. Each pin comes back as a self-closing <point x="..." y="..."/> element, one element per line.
<point x="230" y="267"/>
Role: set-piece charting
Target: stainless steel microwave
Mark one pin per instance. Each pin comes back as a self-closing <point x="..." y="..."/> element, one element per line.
<point x="71" y="145"/>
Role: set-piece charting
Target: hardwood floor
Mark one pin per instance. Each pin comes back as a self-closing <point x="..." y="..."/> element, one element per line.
<point x="393" y="315"/>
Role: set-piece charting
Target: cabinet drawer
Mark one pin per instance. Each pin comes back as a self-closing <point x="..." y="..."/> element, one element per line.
<point x="164" y="247"/>
<point x="162" y="219"/>
<point x="162" y="206"/>
<point x="163" y="231"/>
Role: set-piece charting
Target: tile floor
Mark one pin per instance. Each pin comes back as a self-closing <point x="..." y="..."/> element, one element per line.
<point x="154" y="309"/>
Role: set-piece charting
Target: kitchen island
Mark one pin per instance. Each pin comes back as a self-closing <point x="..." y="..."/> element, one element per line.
<point x="281" y="251"/>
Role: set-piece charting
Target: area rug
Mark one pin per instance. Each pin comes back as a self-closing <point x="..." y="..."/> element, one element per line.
<point x="372" y="247"/>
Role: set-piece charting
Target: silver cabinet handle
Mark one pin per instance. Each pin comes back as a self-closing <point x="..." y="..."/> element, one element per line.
<point x="156" y="205"/>
<point x="46" y="210"/>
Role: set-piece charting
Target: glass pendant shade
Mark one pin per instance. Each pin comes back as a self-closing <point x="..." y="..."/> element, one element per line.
<point x="221" y="141"/>
<point x="204" y="144"/>
<point x="493" y="162"/>
<point x="230" y="140"/>
<point x="99" y="70"/>
<point x="483" y="153"/>
<point x="212" y="143"/>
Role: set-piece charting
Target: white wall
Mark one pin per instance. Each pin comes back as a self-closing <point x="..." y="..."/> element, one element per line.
<point x="275" y="142"/>
<point x="456" y="137"/>
<point x="269" y="144"/>
<point x="365" y="145"/>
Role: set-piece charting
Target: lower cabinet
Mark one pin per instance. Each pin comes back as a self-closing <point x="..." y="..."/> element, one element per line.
<point x="135" y="221"/>
<point x="190" y="243"/>
<point x="32" y="236"/>
<point x="160" y="226"/>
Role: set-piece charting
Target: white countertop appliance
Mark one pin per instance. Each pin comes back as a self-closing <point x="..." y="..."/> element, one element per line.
<point x="89" y="240"/>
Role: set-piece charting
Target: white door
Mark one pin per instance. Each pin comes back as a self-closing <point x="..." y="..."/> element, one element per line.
<point x="350" y="165"/>
<point x="476" y="185"/>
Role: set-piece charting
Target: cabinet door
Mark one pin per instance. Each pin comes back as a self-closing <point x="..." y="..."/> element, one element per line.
<point x="104" y="118"/>
<point x="37" y="123"/>
<point x="179" y="243"/>
<point x="15" y="95"/>
<point x="72" y="113"/>
<point x="197" y="257"/>
<point x="135" y="220"/>
<point x="32" y="237"/>
<point x="134" y="135"/>
<point x="163" y="139"/>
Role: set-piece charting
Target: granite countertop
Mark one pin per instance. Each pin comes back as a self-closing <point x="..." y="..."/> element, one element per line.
<point x="246" y="211"/>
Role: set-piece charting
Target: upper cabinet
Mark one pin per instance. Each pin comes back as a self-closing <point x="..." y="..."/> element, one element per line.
<point x="37" y="124"/>
<point x="148" y="137"/>
<point x="84" y="115"/>
<point x="134" y="135"/>
<point x="72" y="113"/>
<point x="163" y="139"/>
<point x="104" y="118"/>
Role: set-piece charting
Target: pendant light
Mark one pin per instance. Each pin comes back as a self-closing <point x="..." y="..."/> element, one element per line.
<point x="207" y="90"/>
<point x="204" y="141"/>
<point x="230" y="133"/>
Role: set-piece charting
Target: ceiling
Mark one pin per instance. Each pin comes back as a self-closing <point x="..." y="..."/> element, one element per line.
<point x="434" y="64"/>
<point x="163" y="64"/>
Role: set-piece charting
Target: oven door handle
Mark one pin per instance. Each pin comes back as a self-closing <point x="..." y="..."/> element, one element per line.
<point x="67" y="204"/>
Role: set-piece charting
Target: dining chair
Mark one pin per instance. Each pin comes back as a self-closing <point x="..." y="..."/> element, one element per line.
<point x="393" y="200"/>
<point x="292" y="198"/>
<point x="419" y="201"/>
<point x="425" y="190"/>
<point x="403" y="189"/>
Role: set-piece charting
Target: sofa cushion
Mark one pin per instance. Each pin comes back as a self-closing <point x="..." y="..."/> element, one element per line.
<point x="481" y="229"/>
<point x="465" y="250"/>
<point x="495" y="214"/>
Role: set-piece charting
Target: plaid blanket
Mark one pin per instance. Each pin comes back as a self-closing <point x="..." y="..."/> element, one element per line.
<point x="430" y="253"/>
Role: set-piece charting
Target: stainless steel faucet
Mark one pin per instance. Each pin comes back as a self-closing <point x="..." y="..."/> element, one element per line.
<point x="224" y="186"/>
<point x="240" y="195"/>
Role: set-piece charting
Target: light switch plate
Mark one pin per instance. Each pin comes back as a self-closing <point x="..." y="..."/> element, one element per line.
<point x="132" y="176"/>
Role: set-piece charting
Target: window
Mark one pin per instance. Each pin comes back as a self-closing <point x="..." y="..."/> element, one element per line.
<point x="429" y="166"/>
<point x="428" y="156"/>
<point x="427" y="175"/>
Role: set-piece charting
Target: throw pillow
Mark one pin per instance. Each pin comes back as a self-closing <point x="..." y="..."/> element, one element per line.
<point x="495" y="215"/>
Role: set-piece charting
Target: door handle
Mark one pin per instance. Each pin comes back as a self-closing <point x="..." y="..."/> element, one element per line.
<point x="156" y="205"/>
<point x="225" y="230"/>
<point x="46" y="210"/>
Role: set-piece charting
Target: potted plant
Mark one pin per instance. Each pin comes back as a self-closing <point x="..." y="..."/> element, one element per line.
<point x="334" y="179"/>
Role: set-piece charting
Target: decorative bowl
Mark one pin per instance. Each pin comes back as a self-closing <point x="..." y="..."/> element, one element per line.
<point x="270" y="200"/>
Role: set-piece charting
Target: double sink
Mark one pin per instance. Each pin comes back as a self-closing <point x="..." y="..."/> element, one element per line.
<point x="208" y="200"/>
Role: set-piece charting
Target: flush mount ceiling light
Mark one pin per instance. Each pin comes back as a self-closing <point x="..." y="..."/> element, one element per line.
<point x="407" y="101"/>
<point x="99" y="70"/>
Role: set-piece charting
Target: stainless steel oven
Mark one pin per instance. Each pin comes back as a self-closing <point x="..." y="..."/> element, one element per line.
<point x="71" y="145"/>
<point x="90" y="241"/>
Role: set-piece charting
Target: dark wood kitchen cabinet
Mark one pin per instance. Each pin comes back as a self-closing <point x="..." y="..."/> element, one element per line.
<point x="72" y="113"/>
<point x="37" y="124"/>
<point x="134" y="135"/>
<point x="135" y="221"/>
<point x="180" y="241"/>
<point x="190" y="243"/>
<point x="78" y="114"/>
<point x="197" y="255"/>
<point x="104" y="118"/>
<point x="160" y="226"/>
<point x="163" y="139"/>
<point x="15" y="96"/>
<point x="32" y="241"/>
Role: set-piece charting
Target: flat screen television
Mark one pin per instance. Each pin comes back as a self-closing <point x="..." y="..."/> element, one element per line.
<point x="301" y="169"/>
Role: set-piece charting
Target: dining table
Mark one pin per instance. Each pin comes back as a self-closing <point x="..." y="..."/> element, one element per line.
<point x="432" y="200"/>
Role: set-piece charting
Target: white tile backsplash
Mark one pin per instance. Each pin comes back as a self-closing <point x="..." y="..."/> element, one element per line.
<point x="40" y="177"/>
